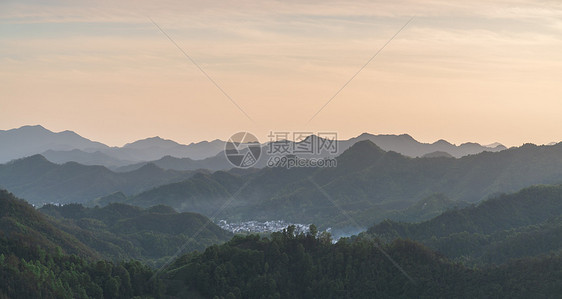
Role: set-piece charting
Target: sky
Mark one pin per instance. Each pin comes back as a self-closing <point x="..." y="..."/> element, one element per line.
<point x="478" y="71"/>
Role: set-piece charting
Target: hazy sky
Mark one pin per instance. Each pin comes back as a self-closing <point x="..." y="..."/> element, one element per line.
<point x="484" y="71"/>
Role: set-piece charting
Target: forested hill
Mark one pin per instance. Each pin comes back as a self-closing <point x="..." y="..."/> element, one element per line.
<point x="114" y="232"/>
<point x="282" y="265"/>
<point x="120" y="231"/>
<point x="525" y="223"/>
<point x="21" y="222"/>
<point x="38" y="260"/>
<point x="286" y="265"/>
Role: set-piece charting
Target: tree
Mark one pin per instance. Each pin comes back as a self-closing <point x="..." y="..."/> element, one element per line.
<point x="313" y="230"/>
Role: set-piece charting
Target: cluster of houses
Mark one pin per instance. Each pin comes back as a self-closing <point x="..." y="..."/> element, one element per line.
<point x="249" y="227"/>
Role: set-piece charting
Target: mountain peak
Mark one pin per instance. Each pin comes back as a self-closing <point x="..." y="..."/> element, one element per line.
<point x="34" y="159"/>
<point x="442" y="142"/>
<point x="155" y="141"/>
<point x="365" y="135"/>
<point x="39" y="127"/>
<point x="470" y="144"/>
<point x="30" y="140"/>
<point x="28" y="129"/>
<point x="406" y="137"/>
<point x="495" y="144"/>
<point x="362" y="149"/>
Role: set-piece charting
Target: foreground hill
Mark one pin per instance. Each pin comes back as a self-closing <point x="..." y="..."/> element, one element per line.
<point x="20" y="222"/>
<point x="39" y="260"/>
<point x="367" y="184"/>
<point x="40" y="181"/>
<point x="286" y="265"/>
<point x="525" y="223"/>
<point x="282" y="265"/>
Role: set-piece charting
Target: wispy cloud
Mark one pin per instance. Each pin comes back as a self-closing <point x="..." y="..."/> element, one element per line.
<point x="291" y="52"/>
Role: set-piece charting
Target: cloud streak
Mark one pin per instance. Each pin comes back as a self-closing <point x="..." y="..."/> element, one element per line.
<point x="281" y="59"/>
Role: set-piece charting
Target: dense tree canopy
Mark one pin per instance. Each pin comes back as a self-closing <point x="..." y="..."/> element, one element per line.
<point x="285" y="265"/>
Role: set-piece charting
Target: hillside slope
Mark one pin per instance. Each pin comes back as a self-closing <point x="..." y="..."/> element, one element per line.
<point x="40" y="181"/>
<point x="521" y="224"/>
<point x="19" y="221"/>
<point x="120" y="231"/>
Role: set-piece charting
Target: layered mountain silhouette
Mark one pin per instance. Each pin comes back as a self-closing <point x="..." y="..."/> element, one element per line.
<point x="155" y="148"/>
<point x="408" y="146"/>
<point x="86" y="158"/>
<point x="403" y="144"/>
<point x="445" y="221"/>
<point x="368" y="183"/>
<point x="217" y="162"/>
<point x="68" y="146"/>
<point x="30" y="140"/>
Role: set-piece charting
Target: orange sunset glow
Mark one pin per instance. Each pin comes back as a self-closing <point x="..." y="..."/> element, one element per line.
<point x="481" y="71"/>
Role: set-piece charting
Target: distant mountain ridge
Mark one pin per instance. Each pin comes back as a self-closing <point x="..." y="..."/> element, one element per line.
<point x="68" y="146"/>
<point x="154" y="148"/>
<point x="408" y="146"/>
<point x="367" y="183"/>
<point x="403" y="144"/>
<point x="31" y="140"/>
<point x="85" y="158"/>
<point x="367" y="180"/>
<point x="40" y="181"/>
<point x="217" y="162"/>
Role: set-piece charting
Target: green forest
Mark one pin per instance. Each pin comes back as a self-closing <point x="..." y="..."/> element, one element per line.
<point x="477" y="251"/>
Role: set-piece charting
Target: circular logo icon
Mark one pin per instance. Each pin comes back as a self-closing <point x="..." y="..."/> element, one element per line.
<point x="242" y="150"/>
